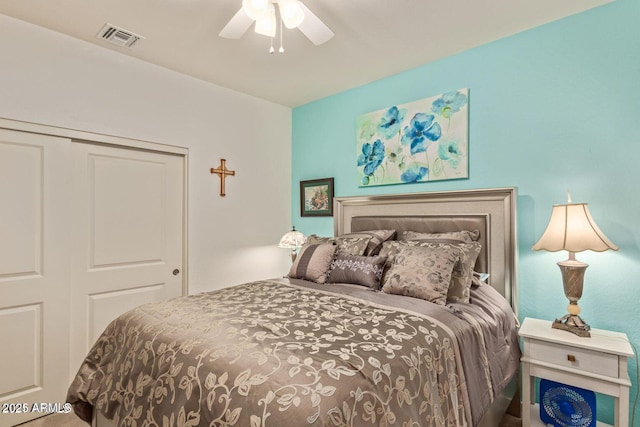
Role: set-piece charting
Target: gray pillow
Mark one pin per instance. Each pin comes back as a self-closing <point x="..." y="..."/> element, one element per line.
<point x="459" y="236"/>
<point x="421" y="272"/>
<point x="313" y="262"/>
<point x="377" y="238"/>
<point x="314" y="239"/>
<point x="359" y="270"/>
<point x="462" y="275"/>
<point x="347" y="245"/>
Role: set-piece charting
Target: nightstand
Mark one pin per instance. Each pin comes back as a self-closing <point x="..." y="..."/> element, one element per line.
<point x="598" y="363"/>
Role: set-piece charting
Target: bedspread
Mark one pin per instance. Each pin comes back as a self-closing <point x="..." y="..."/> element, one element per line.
<point x="284" y="353"/>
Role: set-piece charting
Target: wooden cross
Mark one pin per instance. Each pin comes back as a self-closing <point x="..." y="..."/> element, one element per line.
<point x="222" y="172"/>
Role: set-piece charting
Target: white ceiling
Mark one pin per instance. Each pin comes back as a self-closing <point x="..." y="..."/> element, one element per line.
<point x="373" y="38"/>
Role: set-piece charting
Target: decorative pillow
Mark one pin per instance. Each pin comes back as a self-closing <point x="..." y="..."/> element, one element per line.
<point x="460" y="236"/>
<point x="421" y="272"/>
<point x="359" y="270"/>
<point x="377" y="238"/>
<point x="314" y="239"/>
<point x="346" y="245"/>
<point x="461" y="277"/>
<point x="313" y="262"/>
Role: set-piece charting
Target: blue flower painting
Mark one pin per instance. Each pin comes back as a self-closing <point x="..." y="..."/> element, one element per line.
<point x="421" y="130"/>
<point x="425" y="140"/>
<point x="370" y="158"/>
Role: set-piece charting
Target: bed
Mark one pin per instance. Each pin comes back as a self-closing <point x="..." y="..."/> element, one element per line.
<point x="294" y="352"/>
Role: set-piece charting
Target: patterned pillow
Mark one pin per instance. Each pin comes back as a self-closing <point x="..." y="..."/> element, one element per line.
<point x="461" y="277"/>
<point x="359" y="270"/>
<point x="314" y="239"/>
<point x="421" y="272"/>
<point x="459" y="236"/>
<point x="313" y="262"/>
<point x="377" y="238"/>
<point x="346" y="245"/>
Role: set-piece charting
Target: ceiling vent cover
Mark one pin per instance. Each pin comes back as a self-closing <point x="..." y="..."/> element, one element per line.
<point x="118" y="36"/>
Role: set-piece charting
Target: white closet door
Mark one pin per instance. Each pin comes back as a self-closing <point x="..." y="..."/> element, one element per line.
<point x="127" y="236"/>
<point x="34" y="269"/>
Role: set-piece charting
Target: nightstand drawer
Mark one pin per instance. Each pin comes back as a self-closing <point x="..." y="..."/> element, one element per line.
<point x="572" y="357"/>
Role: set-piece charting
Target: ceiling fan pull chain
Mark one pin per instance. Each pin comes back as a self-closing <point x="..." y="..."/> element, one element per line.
<point x="271" y="49"/>
<point x="281" y="50"/>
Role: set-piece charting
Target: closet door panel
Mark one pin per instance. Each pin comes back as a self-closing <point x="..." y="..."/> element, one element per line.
<point x="127" y="219"/>
<point x="22" y="209"/>
<point x="34" y="272"/>
<point x="128" y="241"/>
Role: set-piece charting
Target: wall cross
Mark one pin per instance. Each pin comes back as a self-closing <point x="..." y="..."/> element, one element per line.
<point x="222" y="172"/>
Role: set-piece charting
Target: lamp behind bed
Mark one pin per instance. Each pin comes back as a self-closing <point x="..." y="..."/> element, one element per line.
<point x="292" y="240"/>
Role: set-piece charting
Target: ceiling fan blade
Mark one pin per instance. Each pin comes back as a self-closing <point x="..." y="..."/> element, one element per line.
<point x="237" y="26"/>
<point x="314" y="28"/>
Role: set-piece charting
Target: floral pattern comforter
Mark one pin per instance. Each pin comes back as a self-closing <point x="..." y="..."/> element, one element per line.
<point x="284" y="353"/>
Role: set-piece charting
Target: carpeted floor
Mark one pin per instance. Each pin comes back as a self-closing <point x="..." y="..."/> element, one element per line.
<point x="57" y="420"/>
<point x="71" y="420"/>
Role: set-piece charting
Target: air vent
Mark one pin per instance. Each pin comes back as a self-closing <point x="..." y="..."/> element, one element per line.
<point x="118" y="36"/>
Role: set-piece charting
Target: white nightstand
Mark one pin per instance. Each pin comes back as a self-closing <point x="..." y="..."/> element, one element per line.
<point x="598" y="363"/>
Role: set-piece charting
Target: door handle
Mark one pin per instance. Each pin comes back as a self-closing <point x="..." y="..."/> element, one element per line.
<point x="176" y="272"/>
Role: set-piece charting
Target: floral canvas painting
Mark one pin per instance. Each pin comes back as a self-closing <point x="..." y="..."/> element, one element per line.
<point x="425" y="140"/>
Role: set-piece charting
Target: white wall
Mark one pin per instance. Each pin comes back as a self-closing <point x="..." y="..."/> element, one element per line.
<point x="53" y="79"/>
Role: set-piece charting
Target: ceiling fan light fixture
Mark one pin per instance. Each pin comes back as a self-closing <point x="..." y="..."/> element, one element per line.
<point x="266" y="24"/>
<point x="255" y="9"/>
<point x="264" y="17"/>
<point x="291" y="13"/>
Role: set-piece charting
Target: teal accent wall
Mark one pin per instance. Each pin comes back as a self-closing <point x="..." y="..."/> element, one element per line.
<point x="551" y="110"/>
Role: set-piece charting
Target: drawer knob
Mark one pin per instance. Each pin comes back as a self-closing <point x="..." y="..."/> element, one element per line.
<point x="571" y="358"/>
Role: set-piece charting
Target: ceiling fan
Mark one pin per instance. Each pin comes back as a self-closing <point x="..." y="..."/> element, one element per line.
<point x="293" y="14"/>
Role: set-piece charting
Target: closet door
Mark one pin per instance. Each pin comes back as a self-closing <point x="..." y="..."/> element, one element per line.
<point x="127" y="236"/>
<point x="34" y="268"/>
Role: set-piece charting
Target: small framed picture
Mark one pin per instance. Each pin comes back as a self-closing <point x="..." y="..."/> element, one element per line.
<point x="316" y="197"/>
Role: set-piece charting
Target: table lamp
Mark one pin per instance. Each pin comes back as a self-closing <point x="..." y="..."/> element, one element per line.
<point x="292" y="240"/>
<point x="571" y="228"/>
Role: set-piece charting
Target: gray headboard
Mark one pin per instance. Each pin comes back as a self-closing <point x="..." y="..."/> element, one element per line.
<point x="492" y="211"/>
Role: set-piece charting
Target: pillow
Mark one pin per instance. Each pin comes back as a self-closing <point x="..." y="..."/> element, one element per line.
<point x="313" y="262"/>
<point x="314" y="239"/>
<point x="377" y="238"/>
<point x="359" y="270"/>
<point x="460" y="236"/>
<point x="421" y="272"/>
<point x="346" y="245"/>
<point x="462" y="275"/>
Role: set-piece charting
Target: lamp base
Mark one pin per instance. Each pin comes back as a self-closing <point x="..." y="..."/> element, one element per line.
<point x="574" y="324"/>
<point x="572" y="279"/>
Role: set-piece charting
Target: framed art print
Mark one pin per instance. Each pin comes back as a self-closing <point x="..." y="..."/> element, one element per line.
<point x="316" y="197"/>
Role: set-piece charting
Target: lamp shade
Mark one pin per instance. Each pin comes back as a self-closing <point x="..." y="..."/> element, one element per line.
<point x="291" y="13"/>
<point x="292" y="240"/>
<point x="266" y="23"/>
<point x="572" y="228"/>
<point x="255" y="9"/>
